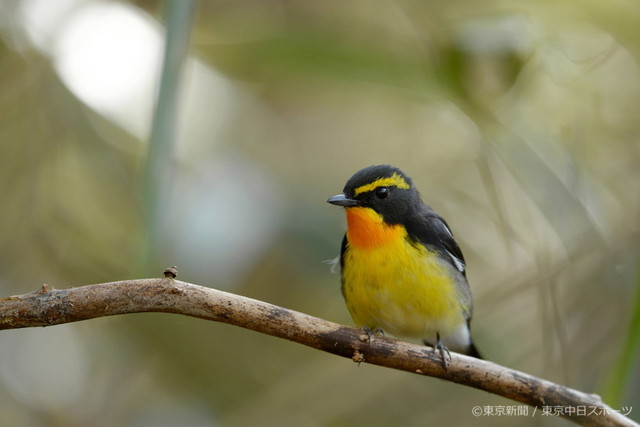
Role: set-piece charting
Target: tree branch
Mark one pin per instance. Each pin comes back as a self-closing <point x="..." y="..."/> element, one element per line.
<point x="48" y="307"/>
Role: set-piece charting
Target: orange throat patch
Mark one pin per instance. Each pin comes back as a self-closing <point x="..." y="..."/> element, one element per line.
<point x="366" y="229"/>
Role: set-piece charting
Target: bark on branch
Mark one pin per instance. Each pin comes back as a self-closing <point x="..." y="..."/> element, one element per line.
<point x="48" y="307"/>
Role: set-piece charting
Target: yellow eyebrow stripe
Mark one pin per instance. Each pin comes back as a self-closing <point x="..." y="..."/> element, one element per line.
<point x="394" y="179"/>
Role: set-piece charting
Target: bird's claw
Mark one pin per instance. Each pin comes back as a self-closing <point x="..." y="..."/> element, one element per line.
<point x="371" y="332"/>
<point x="445" y="354"/>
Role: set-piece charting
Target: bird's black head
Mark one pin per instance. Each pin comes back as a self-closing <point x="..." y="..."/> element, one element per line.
<point x="383" y="188"/>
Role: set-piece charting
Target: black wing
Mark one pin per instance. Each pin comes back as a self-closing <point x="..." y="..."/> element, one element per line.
<point x="432" y="230"/>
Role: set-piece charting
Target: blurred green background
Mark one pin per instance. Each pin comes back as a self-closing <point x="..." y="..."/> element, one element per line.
<point x="518" y="121"/>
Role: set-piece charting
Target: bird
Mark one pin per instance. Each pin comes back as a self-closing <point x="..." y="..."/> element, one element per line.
<point x="402" y="271"/>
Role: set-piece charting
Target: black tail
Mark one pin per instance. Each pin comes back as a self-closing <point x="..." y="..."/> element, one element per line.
<point x="473" y="351"/>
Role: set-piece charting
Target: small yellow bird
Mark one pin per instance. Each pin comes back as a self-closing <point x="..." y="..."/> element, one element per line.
<point x="402" y="270"/>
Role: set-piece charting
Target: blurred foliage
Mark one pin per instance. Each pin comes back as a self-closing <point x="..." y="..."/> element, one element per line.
<point x="518" y="122"/>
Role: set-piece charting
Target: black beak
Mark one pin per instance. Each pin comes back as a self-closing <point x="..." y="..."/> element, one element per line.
<point x="342" y="200"/>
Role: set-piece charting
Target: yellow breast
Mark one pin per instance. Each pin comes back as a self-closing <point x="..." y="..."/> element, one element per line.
<point x="392" y="284"/>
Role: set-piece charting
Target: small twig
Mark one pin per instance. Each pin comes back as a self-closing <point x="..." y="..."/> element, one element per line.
<point x="49" y="306"/>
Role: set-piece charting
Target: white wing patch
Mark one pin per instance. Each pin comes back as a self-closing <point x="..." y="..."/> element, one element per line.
<point x="444" y="225"/>
<point x="457" y="262"/>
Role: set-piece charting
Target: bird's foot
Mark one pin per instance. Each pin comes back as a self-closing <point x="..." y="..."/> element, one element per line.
<point x="371" y="332"/>
<point x="445" y="354"/>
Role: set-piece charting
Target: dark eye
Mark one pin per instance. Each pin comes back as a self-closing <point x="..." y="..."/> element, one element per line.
<point x="382" y="192"/>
